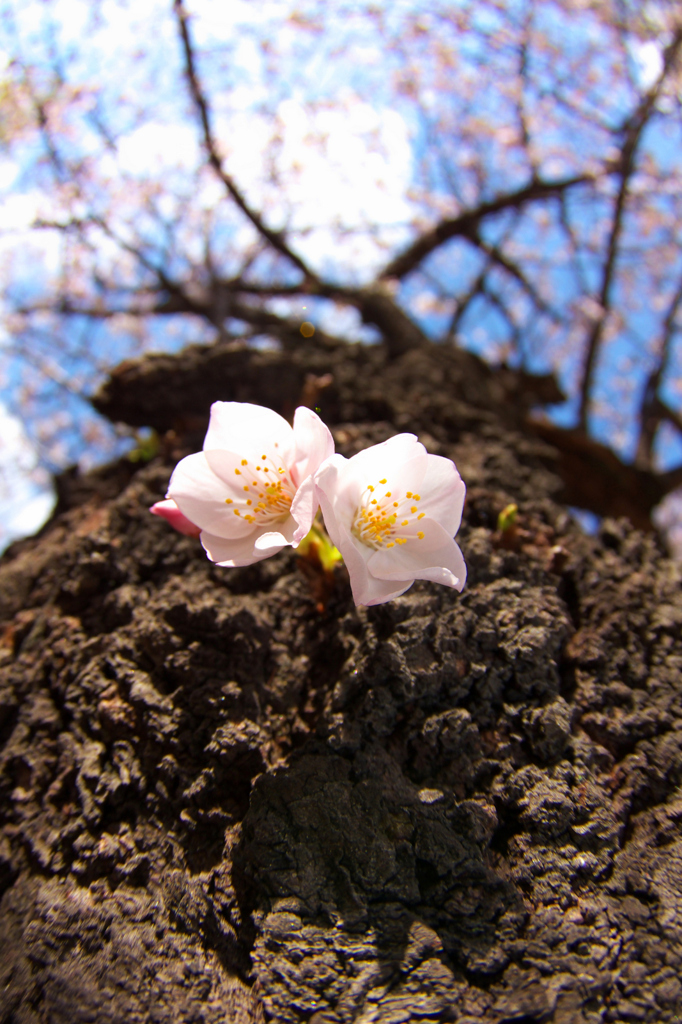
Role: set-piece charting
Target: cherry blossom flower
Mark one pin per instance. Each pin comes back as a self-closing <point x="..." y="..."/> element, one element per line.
<point x="392" y="511"/>
<point x="250" y="491"/>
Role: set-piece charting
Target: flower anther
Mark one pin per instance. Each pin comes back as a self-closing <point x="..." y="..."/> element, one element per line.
<point x="250" y="491"/>
<point x="393" y="511"/>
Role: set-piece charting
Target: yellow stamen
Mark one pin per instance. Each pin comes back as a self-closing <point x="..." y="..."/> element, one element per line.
<point x="420" y="535"/>
<point x="376" y="519"/>
<point x="421" y="515"/>
<point x="417" y="497"/>
<point x="273" y="503"/>
<point x="408" y="494"/>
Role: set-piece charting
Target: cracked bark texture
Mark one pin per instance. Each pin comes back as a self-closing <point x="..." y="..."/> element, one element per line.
<point x="230" y="795"/>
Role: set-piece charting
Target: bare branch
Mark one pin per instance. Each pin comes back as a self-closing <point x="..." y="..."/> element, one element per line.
<point x="497" y="301"/>
<point x="466" y="225"/>
<point x="666" y="413"/>
<point x="277" y="239"/>
<point x="499" y="258"/>
<point x="632" y="133"/>
<point x="177" y="302"/>
<point x="523" y="82"/>
<point x="477" y="288"/>
<point x="652" y="409"/>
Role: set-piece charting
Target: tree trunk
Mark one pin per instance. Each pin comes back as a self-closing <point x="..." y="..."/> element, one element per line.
<point x="230" y="795"/>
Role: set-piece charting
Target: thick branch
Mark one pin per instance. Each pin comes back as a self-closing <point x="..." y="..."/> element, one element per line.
<point x="672" y="479"/>
<point x="596" y="479"/>
<point x="178" y="302"/>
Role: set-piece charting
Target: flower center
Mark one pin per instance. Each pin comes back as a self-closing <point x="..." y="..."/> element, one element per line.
<point x="381" y="520"/>
<point x="268" y="492"/>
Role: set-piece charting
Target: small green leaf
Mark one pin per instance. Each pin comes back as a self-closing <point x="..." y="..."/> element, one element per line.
<point x="507" y="518"/>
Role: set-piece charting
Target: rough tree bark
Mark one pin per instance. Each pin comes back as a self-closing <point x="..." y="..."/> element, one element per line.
<point x="229" y="795"/>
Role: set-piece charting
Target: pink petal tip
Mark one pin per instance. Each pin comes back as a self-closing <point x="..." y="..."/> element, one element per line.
<point x="169" y="511"/>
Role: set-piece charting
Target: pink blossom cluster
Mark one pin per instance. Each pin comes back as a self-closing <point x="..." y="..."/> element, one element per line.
<point x="392" y="510"/>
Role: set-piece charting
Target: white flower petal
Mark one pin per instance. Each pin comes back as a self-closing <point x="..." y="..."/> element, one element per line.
<point x="201" y="496"/>
<point x="249" y="430"/>
<point x="343" y="481"/>
<point x="336" y="487"/>
<point x="314" y="443"/>
<point x="278" y="538"/>
<point x="304" y="509"/>
<point x="379" y="592"/>
<point x="337" y="492"/>
<point x="435" y="557"/>
<point x="443" y="491"/>
<point x="242" y="551"/>
<point x="375" y="463"/>
<point x="367" y="589"/>
<point x="224" y="463"/>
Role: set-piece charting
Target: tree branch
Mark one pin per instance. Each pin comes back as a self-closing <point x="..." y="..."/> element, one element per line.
<point x="276" y="239"/>
<point x="497" y="257"/>
<point x="477" y="288"/>
<point x="632" y="134"/>
<point x="466" y="225"/>
<point x="652" y="409"/>
<point x="671" y="480"/>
